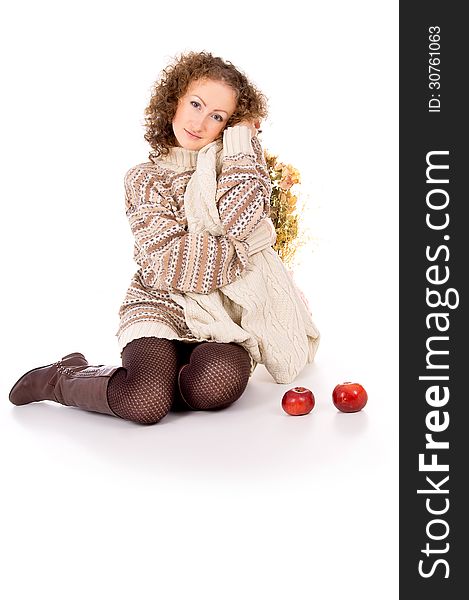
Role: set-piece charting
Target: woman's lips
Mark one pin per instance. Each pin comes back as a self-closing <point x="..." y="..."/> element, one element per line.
<point x="191" y="135"/>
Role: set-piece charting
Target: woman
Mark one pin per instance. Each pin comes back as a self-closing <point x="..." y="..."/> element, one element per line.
<point x="197" y="100"/>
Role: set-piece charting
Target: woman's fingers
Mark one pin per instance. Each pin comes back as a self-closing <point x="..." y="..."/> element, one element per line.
<point x="252" y="125"/>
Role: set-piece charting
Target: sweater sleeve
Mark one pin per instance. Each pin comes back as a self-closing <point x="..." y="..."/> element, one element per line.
<point x="244" y="187"/>
<point x="171" y="258"/>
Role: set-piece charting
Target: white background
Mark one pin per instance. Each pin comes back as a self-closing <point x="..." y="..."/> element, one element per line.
<point x="242" y="503"/>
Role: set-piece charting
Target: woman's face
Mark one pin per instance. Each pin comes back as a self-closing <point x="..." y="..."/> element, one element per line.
<point x="203" y="112"/>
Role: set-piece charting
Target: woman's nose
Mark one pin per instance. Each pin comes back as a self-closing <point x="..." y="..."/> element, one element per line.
<point x="198" y="123"/>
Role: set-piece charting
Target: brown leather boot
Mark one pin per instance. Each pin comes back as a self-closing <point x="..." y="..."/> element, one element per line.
<point x="70" y="381"/>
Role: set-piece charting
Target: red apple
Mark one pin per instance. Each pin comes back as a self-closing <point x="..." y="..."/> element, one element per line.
<point x="349" y="397"/>
<point x="298" y="401"/>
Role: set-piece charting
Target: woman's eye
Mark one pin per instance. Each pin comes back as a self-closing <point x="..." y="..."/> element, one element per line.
<point x="196" y="104"/>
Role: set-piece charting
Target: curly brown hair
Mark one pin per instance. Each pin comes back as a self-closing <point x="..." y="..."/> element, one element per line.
<point x="173" y="83"/>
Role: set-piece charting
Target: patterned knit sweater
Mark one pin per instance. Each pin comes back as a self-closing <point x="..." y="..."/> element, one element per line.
<point x="263" y="310"/>
<point x="171" y="259"/>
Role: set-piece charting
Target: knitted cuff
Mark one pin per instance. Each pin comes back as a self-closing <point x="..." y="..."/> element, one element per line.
<point x="264" y="236"/>
<point x="237" y="140"/>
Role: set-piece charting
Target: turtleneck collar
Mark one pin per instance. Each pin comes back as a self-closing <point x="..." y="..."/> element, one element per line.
<point x="180" y="157"/>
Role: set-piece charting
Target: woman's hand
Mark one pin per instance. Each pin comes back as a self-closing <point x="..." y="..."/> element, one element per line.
<point x="253" y="125"/>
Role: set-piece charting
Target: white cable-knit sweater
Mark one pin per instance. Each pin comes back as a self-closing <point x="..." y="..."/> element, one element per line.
<point x="263" y="310"/>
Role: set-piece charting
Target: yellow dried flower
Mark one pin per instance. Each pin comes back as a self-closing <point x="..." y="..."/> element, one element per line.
<point x="283" y="206"/>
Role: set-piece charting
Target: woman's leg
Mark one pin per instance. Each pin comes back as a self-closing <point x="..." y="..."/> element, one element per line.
<point x="211" y="375"/>
<point x="144" y="391"/>
<point x="215" y="376"/>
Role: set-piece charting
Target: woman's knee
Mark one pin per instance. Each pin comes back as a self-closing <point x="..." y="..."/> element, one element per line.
<point x="143" y="391"/>
<point x="151" y="409"/>
<point x="145" y="401"/>
<point x="216" y="375"/>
